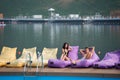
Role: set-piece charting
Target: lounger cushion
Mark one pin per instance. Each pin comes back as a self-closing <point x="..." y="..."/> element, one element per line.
<point x="73" y="54"/>
<point x="57" y="63"/>
<point x="2" y="64"/>
<point x="7" y="55"/>
<point x="109" y="60"/>
<point x="32" y="52"/>
<point x="47" y="54"/>
<point x="117" y="65"/>
<point x="16" y="64"/>
<point x="86" y="62"/>
<point x="39" y="63"/>
<point x="21" y="61"/>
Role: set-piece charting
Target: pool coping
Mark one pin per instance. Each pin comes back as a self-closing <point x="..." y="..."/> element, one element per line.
<point x="114" y="73"/>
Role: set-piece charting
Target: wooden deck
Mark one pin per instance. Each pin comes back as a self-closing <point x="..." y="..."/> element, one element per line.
<point x="63" y="72"/>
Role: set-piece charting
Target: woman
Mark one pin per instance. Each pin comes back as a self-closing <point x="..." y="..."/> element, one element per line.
<point x="65" y="50"/>
<point x="87" y="53"/>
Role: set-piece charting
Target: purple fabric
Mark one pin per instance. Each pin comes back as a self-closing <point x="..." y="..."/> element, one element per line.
<point x="86" y="62"/>
<point x="117" y="65"/>
<point x="58" y="63"/>
<point x="73" y="54"/>
<point x="109" y="60"/>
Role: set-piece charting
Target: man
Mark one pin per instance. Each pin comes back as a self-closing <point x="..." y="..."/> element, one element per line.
<point x="87" y="53"/>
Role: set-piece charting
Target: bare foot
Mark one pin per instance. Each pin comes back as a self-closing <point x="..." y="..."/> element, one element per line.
<point x="73" y="62"/>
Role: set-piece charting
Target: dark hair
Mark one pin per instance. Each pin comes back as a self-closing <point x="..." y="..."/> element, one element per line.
<point x="65" y="44"/>
<point x="86" y="47"/>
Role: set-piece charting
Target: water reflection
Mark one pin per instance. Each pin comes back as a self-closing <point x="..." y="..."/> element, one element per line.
<point x="38" y="34"/>
<point x="104" y="37"/>
<point x="1" y="36"/>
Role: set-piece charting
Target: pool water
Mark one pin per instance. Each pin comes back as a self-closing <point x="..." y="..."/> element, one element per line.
<point x="54" y="78"/>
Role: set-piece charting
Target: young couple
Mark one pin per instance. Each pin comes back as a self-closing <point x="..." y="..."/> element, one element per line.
<point x="86" y="53"/>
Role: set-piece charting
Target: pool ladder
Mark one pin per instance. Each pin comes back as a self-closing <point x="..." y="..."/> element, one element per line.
<point x="28" y="73"/>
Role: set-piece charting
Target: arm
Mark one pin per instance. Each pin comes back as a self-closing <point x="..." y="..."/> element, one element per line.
<point x="63" y="53"/>
<point x="93" y="49"/>
<point x="70" y="48"/>
<point x="82" y="52"/>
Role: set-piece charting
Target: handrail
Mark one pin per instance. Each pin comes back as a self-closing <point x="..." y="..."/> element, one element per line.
<point x="28" y="63"/>
<point x="40" y="61"/>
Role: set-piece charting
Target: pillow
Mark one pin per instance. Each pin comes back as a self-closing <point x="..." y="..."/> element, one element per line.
<point x="32" y="52"/>
<point x="8" y="53"/>
<point x="73" y="54"/>
<point x="49" y="53"/>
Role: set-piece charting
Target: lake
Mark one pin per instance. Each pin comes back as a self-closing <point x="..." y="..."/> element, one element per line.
<point x="105" y="38"/>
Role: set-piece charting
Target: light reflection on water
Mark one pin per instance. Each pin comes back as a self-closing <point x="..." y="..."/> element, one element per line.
<point x="104" y="37"/>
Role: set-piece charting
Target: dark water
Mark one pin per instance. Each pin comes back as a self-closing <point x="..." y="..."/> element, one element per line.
<point x="104" y="37"/>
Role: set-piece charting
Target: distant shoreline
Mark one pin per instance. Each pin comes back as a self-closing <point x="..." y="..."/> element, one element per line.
<point x="81" y="21"/>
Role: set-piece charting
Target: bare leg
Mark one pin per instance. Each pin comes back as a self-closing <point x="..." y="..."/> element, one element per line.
<point x="63" y="58"/>
<point x="68" y="59"/>
<point x="75" y="61"/>
<point x="72" y="61"/>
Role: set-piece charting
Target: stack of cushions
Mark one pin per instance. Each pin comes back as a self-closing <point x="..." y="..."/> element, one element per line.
<point x="21" y="61"/>
<point x="7" y="55"/>
<point x="73" y="55"/>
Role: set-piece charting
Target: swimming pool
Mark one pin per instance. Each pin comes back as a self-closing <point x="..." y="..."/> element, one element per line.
<point x="54" y="78"/>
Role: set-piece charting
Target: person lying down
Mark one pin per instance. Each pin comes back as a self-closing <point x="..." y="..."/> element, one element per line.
<point x="86" y="53"/>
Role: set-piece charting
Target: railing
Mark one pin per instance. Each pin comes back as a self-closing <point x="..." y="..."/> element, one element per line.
<point x="28" y="73"/>
<point x="40" y="63"/>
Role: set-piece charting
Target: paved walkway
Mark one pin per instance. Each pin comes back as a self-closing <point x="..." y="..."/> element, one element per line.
<point x="64" y="72"/>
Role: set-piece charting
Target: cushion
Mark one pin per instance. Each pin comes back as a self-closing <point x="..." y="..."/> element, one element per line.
<point x="109" y="61"/>
<point x="16" y="64"/>
<point x="49" y="53"/>
<point x="58" y="63"/>
<point x="21" y="61"/>
<point x="8" y="54"/>
<point x="32" y="52"/>
<point x="73" y="54"/>
<point x="86" y="62"/>
<point x="2" y="64"/>
<point x="35" y="63"/>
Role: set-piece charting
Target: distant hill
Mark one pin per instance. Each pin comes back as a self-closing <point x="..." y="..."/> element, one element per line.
<point x="11" y="8"/>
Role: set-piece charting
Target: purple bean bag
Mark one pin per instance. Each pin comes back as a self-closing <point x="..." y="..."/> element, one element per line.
<point x="117" y="65"/>
<point x="109" y="61"/>
<point x="73" y="54"/>
<point x="86" y="62"/>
